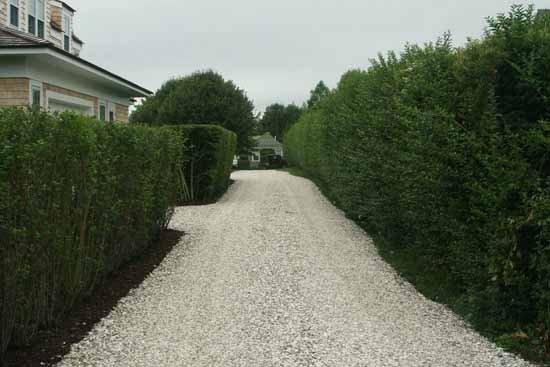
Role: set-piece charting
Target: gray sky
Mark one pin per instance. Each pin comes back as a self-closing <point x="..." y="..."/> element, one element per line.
<point x="276" y="51"/>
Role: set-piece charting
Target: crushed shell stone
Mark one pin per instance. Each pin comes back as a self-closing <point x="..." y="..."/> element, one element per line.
<point x="274" y="275"/>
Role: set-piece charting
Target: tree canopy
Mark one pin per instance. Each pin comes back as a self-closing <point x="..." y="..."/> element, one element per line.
<point x="320" y="92"/>
<point x="200" y="98"/>
<point x="278" y="118"/>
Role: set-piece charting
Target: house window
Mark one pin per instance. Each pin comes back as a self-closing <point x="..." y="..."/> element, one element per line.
<point x="112" y="114"/>
<point x="14" y="13"/>
<point x="66" y="32"/>
<point x="102" y="112"/>
<point x="36" y="17"/>
<point x="36" y="97"/>
<point x="35" y="94"/>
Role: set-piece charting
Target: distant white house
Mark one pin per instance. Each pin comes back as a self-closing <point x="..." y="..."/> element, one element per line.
<point x="265" y="144"/>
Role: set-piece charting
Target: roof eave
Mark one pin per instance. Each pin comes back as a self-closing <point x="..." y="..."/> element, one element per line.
<point x="23" y="46"/>
<point x="143" y="91"/>
<point x="77" y="40"/>
<point x="68" y="7"/>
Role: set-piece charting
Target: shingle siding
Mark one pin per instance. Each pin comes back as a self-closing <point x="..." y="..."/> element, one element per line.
<point x="3" y="11"/>
<point x="23" y="15"/>
<point x="14" y="92"/>
<point x="54" y="15"/>
<point x="121" y="113"/>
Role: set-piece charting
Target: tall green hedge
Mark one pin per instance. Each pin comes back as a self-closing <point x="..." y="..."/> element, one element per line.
<point x="443" y="154"/>
<point x="77" y="199"/>
<point x="208" y="160"/>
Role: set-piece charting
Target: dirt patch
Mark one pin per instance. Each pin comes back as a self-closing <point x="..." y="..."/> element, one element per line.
<point x="52" y="344"/>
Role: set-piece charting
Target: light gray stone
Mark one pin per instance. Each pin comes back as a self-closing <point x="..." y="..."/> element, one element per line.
<point x="274" y="275"/>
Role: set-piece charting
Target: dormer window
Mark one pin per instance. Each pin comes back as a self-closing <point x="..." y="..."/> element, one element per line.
<point x="36" y="17"/>
<point x="66" y="32"/>
<point x="14" y="13"/>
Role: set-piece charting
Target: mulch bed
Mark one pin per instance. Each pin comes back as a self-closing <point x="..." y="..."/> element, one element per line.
<point x="51" y="345"/>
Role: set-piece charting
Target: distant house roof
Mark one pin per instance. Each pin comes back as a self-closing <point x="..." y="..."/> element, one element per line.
<point x="15" y="40"/>
<point x="267" y="141"/>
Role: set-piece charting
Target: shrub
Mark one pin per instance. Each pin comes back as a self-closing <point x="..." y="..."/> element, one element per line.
<point x="77" y="199"/>
<point x="208" y="161"/>
<point x="201" y="98"/>
<point x="443" y="155"/>
<point x="278" y="118"/>
<point x="243" y="164"/>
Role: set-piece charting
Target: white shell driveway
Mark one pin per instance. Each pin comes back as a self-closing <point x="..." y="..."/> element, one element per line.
<point x="274" y="275"/>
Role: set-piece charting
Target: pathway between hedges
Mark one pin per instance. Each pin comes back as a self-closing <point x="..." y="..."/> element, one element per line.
<point x="274" y="275"/>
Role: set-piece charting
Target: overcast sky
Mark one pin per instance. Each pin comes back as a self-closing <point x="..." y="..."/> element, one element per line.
<point x="275" y="50"/>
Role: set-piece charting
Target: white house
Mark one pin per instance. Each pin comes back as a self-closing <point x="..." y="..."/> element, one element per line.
<point x="264" y="145"/>
<point x="267" y="143"/>
<point x="40" y="64"/>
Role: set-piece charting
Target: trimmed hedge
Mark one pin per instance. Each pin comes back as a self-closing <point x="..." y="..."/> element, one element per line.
<point x="77" y="199"/>
<point x="443" y="155"/>
<point x="208" y="161"/>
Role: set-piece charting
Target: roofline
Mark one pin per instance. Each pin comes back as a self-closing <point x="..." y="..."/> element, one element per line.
<point x="66" y="6"/>
<point x="57" y="50"/>
<point x="76" y="39"/>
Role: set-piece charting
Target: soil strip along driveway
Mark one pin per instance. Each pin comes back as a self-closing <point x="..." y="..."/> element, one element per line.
<point x="274" y="275"/>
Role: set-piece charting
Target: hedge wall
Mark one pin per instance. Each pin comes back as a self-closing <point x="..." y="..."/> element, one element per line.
<point x="443" y="154"/>
<point x="77" y="199"/>
<point x="208" y="160"/>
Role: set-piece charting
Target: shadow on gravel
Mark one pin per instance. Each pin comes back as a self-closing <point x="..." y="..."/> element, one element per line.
<point x="51" y="345"/>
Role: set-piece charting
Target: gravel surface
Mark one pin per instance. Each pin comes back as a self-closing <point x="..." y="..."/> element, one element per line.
<point x="274" y="275"/>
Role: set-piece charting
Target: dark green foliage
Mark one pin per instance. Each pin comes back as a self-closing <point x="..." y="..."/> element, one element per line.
<point x="443" y="154"/>
<point x="272" y="162"/>
<point x="77" y="199"/>
<point x="243" y="164"/>
<point x="318" y="94"/>
<point x="201" y="98"/>
<point x="208" y="161"/>
<point x="277" y="119"/>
